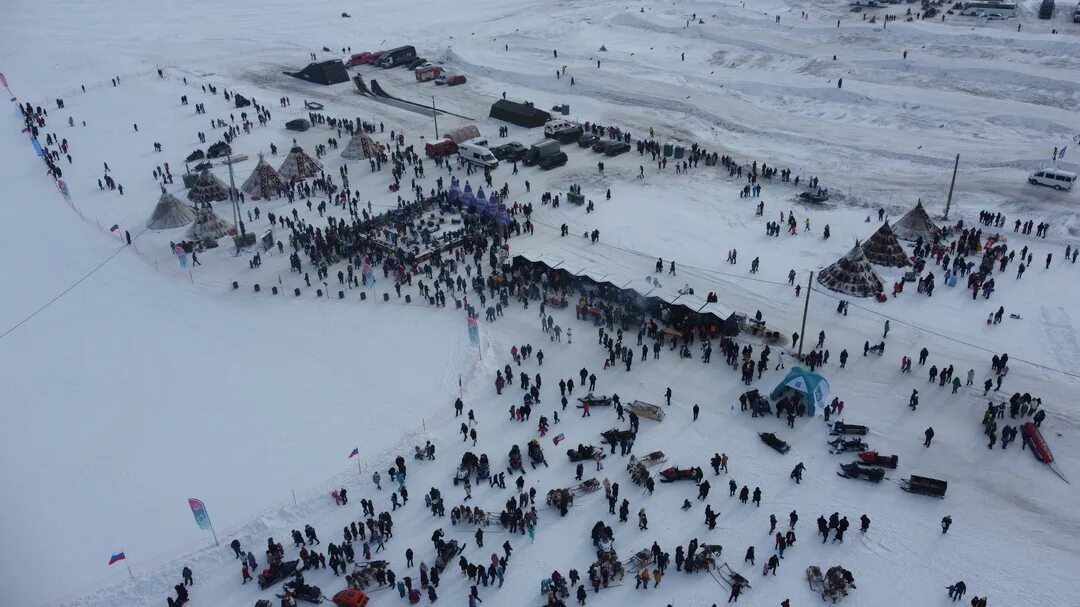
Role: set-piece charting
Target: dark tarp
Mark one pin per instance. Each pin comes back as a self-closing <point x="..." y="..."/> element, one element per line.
<point x="521" y="114"/>
<point x="323" y="72"/>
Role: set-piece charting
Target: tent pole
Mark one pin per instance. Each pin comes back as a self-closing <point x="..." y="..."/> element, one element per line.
<point x="806" y="308"/>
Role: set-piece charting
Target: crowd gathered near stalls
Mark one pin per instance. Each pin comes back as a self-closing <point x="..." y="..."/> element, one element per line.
<point x="629" y="327"/>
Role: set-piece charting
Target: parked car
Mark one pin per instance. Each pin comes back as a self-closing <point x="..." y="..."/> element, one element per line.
<point x="511" y="152"/>
<point x="455" y="80"/>
<point x="196" y="155"/>
<point x="568" y="135"/>
<point x="415" y="63"/>
<point x="600" y="146"/>
<point x="588" y="140"/>
<point x="300" y="124"/>
<point x="614" y="148"/>
<point x="555" y="160"/>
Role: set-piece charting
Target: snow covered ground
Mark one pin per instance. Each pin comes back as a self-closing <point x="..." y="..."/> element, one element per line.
<point x="145" y="384"/>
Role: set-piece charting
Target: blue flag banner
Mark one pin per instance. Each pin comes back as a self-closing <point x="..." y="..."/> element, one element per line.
<point x="474" y="331"/>
<point x="202" y="517"/>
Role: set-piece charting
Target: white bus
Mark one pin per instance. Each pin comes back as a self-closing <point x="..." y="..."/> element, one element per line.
<point x="986" y="8"/>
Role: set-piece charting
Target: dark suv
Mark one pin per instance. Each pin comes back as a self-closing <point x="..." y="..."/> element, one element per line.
<point x="555" y="160"/>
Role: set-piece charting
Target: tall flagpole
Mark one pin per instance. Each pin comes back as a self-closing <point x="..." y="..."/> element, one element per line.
<point x="129" y="569"/>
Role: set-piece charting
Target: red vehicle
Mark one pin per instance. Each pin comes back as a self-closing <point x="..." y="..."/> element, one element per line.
<point x="358" y="59"/>
<point x="375" y="56"/>
<point x="431" y="72"/>
<point x="439" y="149"/>
<point x="455" y="80"/>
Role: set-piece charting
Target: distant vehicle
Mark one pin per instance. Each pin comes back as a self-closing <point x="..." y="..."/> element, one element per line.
<point x="511" y="152"/>
<point x="615" y="148"/>
<point x="555" y="160"/>
<point x="1076" y="14"/>
<point x="477" y="154"/>
<point x="865" y="3"/>
<point x="300" y="124"/>
<point x="415" y="63"/>
<point x="1055" y="178"/>
<point x="552" y="126"/>
<point x="994" y="17"/>
<point x="395" y="57"/>
<point x="196" y="155"/>
<point x="439" y="149"/>
<point x="567" y="135"/>
<point x="358" y="59"/>
<point x="431" y="72"/>
<point x="985" y="8"/>
<point x="455" y="80"/>
<point x="539" y="151"/>
<point x="600" y="146"/>
<point x="1046" y="9"/>
<point x="588" y="140"/>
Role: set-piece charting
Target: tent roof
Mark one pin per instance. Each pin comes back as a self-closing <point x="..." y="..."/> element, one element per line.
<point x="916" y="223"/>
<point x="170" y="212"/>
<point x="852" y="274"/>
<point x="883" y="248"/>
<point x="518" y="113"/>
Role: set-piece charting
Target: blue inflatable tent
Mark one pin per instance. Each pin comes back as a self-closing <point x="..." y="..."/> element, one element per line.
<point x="813" y="388"/>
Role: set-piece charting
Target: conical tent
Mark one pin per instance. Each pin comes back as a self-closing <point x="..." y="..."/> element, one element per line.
<point x="298" y="165"/>
<point x="883" y="249"/>
<point x="813" y="388"/>
<point x="208" y="225"/>
<point x="361" y="146"/>
<point x="852" y="274"/>
<point x="208" y="188"/>
<point x="264" y="181"/>
<point x="916" y="224"/>
<point x="170" y="213"/>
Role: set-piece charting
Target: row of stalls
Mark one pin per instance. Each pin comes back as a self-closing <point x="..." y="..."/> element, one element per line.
<point x="636" y="299"/>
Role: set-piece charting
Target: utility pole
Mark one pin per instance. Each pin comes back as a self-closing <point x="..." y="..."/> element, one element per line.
<point x="806" y="308"/>
<point x="435" y="117"/>
<point x="235" y="200"/>
<point x="948" y="201"/>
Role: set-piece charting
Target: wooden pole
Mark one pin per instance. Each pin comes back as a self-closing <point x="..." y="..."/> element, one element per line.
<point x="806" y="308"/>
<point x="948" y="201"/>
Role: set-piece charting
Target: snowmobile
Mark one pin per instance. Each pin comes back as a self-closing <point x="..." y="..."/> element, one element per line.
<point x="672" y="474"/>
<point x="275" y="573"/>
<point x="582" y="453"/>
<point x="872" y="458"/>
<point x="303" y="591"/>
<point x="839" y="427"/>
<point x="854" y="470"/>
<point x="840" y="445"/>
<point x="594" y="401"/>
<point x="771" y="440"/>
<point x="515" y="461"/>
<point x="613" y="436"/>
<point x="536" y="454"/>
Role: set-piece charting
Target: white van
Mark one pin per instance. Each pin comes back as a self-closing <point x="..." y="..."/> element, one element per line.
<point x="477" y="154"/>
<point x="553" y="126"/>
<point x="1055" y="178"/>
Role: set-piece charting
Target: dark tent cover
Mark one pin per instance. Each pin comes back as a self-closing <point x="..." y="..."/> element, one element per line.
<point x="323" y="72"/>
<point x="521" y="114"/>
